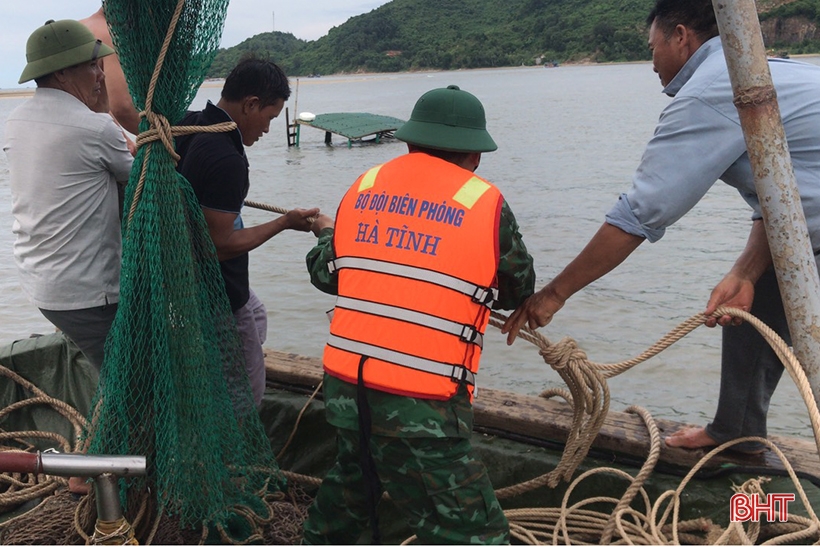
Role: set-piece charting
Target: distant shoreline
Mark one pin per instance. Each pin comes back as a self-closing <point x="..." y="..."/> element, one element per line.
<point x="16" y="93"/>
<point x="217" y="82"/>
<point x="26" y="92"/>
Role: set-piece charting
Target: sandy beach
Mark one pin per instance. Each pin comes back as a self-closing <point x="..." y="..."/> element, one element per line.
<point x="16" y="93"/>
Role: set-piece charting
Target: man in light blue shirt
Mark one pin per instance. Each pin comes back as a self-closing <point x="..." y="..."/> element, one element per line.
<point x="697" y="141"/>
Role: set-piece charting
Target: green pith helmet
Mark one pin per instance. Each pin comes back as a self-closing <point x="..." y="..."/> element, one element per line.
<point x="448" y="119"/>
<point x="58" y="45"/>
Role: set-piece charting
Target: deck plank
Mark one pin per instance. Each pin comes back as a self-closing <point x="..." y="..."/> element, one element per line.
<point x="548" y="420"/>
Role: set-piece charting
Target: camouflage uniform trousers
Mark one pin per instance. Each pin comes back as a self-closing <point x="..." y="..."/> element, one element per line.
<point x="438" y="485"/>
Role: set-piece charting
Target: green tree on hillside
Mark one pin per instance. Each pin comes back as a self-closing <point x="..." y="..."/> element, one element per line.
<point x="454" y="34"/>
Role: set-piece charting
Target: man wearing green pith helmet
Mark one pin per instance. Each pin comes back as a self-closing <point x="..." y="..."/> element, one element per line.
<point x="66" y="157"/>
<point x="420" y="251"/>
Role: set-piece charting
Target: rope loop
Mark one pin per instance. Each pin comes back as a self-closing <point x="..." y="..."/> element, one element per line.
<point x="753" y="487"/>
<point x="161" y="129"/>
<point x="560" y="355"/>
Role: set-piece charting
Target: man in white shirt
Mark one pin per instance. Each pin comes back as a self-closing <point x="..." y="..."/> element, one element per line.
<point x="65" y="162"/>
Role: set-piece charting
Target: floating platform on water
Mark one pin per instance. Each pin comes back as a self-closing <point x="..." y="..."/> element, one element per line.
<point x="354" y="126"/>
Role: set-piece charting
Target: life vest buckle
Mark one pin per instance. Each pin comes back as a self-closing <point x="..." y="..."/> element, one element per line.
<point x="471" y="335"/>
<point x="462" y="375"/>
<point x="331" y="266"/>
<point x="483" y="295"/>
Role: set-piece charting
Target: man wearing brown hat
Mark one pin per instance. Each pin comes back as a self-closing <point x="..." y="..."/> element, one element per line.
<point x="65" y="162"/>
<point x="421" y="250"/>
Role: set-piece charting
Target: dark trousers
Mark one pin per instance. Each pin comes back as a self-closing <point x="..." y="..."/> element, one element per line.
<point x="88" y="328"/>
<point x="750" y="370"/>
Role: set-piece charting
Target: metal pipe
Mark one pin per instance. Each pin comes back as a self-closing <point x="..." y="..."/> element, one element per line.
<point x="783" y="217"/>
<point x="19" y="462"/>
<point x="84" y="465"/>
<point x="108" y="498"/>
<point x="71" y="465"/>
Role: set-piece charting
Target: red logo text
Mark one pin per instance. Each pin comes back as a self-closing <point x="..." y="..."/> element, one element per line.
<point x="745" y="507"/>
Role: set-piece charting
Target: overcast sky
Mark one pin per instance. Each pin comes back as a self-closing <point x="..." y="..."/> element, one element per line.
<point x="307" y="20"/>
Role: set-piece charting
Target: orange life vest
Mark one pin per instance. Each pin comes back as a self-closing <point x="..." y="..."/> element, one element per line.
<point x="416" y="246"/>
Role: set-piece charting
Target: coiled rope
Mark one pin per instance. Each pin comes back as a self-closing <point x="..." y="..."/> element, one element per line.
<point x="569" y="523"/>
<point x="589" y="395"/>
<point x="21" y="488"/>
<point x="586" y="379"/>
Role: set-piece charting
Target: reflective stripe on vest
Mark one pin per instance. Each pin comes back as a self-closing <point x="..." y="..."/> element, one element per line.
<point x="468" y="333"/>
<point x="457" y="373"/>
<point x="480" y="295"/>
<point x="369" y="178"/>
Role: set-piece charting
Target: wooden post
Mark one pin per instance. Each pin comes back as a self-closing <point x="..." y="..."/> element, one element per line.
<point x="287" y="127"/>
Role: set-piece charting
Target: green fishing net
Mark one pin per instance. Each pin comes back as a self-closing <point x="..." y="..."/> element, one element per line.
<point x="173" y="386"/>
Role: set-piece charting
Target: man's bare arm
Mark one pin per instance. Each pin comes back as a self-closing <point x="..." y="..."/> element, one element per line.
<point x="231" y="243"/>
<point x="605" y="251"/>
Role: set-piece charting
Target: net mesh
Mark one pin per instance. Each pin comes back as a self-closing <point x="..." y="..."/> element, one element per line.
<point x="173" y="385"/>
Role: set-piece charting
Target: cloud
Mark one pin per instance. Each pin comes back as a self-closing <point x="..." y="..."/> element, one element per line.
<point x="308" y="20"/>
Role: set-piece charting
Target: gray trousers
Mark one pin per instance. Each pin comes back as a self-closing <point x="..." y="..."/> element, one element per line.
<point x="750" y="370"/>
<point x="252" y="323"/>
<point x="88" y="328"/>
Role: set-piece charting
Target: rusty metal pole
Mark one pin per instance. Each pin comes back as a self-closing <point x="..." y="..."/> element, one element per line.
<point x="756" y="102"/>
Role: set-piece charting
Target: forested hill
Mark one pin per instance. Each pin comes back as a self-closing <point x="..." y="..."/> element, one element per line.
<point x="452" y="34"/>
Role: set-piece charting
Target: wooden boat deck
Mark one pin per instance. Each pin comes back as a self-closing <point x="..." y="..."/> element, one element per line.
<point x="547" y="422"/>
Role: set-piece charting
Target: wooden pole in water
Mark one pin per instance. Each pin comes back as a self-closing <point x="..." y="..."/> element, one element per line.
<point x="783" y="217"/>
<point x="296" y="100"/>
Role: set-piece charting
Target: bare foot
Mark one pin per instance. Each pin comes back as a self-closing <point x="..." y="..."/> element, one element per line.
<point x="78" y="485"/>
<point x="696" y="437"/>
<point x="690" y="437"/>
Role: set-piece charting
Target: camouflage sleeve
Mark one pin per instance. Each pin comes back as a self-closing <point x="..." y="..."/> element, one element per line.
<point x="516" y="275"/>
<point x="317" y="260"/>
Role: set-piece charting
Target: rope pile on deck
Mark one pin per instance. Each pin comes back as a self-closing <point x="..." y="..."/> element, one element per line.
<point x="624" y="524"/>
<point x="59" y="518"/>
